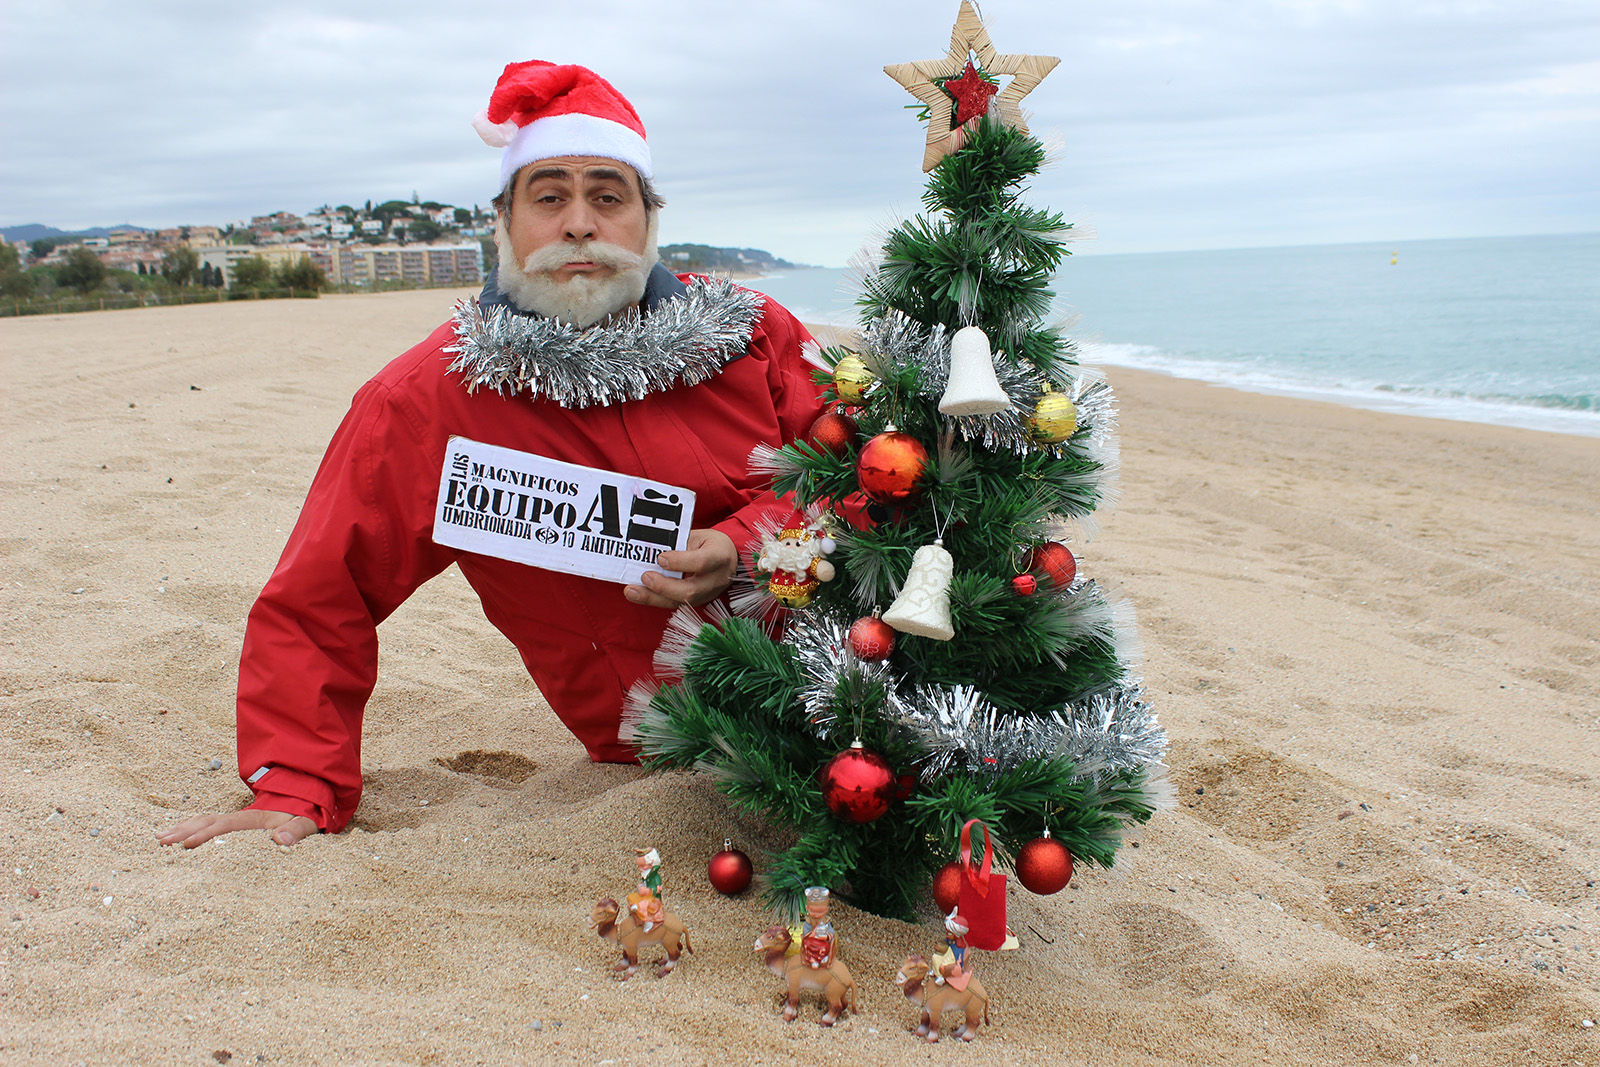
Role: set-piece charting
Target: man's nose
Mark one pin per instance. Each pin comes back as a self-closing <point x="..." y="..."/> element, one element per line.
<point x="579" y="221"/>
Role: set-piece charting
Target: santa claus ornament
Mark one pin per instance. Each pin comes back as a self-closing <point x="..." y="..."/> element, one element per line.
<point x="794" y="558"/>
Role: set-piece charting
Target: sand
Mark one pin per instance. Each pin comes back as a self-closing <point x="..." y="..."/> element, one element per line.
<point x="1372" y="638"/>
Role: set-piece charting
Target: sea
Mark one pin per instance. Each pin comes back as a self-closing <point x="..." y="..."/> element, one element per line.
<point x="1499" y="330"/>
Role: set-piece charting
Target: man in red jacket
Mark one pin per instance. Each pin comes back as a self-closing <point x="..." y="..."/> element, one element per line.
<point x="582" y="349"/>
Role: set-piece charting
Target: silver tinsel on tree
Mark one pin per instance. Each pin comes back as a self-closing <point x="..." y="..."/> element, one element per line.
<point x="833" y="677"/>
<point x="895" y="340"/>
<point x="1104" y="734"/>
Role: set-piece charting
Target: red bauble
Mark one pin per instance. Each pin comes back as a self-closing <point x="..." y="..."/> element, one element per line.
<point x="833" y="432"/>
<point x="871" y="639"/>
<point x="947" y="888"/>
<point x="889" y="467"/>
<point x="1055" y="562"/>
<point x="1044" y="865"/>
<point x="858" y="785"/>
<point x="729" y="870"/>
<point x="1025" y="584"/>
<point x="906" y="784"/>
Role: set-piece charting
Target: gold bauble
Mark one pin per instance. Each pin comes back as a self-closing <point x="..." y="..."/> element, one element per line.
<point x="1054" y="419"/>
<point x="851" y="379"/>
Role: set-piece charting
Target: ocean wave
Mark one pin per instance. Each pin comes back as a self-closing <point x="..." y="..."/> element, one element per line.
<point x="1575" y="412"/>
<point x="1583" y="402"/>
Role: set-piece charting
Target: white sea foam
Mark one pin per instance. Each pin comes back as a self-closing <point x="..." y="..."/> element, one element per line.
<point x="1371" y="396"/>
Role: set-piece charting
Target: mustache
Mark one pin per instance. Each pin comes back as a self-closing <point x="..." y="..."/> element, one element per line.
<point x="554" y="257"/>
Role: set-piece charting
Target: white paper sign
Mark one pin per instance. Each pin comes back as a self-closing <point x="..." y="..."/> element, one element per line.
<point x="578" y="520"/>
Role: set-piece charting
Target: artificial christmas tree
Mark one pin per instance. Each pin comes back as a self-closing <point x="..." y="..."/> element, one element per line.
<point x="1010" y="702"/>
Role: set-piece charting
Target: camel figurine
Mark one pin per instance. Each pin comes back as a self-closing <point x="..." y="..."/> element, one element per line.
<point x="973" y="1000"/>
<point x="834" y="981"/>
<point x="631" y="937"/>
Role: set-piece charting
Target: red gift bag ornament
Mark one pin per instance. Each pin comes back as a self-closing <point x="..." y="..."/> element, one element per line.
<point x="983" y="893"/>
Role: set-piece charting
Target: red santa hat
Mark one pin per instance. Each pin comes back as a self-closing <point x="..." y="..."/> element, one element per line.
<point x="541" y="110"/>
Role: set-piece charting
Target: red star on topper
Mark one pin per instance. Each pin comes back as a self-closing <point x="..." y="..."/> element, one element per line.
<point x="968" y="38"/>
<point x="971" y="92"/>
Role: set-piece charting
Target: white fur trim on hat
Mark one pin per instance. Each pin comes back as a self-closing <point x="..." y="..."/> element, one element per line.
<point x="495" y="136"/>
<point x="573" y="135"/>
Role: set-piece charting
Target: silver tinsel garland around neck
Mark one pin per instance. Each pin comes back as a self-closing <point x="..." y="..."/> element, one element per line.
<point x="683" y="341"/>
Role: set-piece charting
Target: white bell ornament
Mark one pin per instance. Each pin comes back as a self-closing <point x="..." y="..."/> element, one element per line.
<point x="923" y="606"/>
<point x="973" y="388"/>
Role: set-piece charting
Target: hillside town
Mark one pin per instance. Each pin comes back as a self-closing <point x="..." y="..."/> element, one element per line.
<point x="413" y="243"/>
<point x="394" y="244"/>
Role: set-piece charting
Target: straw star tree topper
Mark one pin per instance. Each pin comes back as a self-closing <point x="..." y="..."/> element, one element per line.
<point x="928" y="80"/>
<point x="963" y="666"/>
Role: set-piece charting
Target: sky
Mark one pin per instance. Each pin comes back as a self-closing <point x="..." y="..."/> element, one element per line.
<point x="1175" y="124"/>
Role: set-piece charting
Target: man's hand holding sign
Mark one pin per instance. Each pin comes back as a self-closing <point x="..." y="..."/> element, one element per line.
<point x="707" y="564"/>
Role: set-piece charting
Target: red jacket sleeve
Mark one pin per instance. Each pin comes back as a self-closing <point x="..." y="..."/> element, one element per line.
<point x="310" y="657"/>
<point x="795" y="397"/>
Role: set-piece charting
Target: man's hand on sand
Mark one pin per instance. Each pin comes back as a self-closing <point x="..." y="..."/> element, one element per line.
<point x="193" y="832"/>
<point x="708" y="564"/>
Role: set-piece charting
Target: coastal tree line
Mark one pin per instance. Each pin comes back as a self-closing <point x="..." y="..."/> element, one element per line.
<point x="82" y="274"/>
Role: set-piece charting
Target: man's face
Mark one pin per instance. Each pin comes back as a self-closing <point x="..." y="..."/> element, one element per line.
<point x="576" y="242"/>
<point x="571" y="201"/>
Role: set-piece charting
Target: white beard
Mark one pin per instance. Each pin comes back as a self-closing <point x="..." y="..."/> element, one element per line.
<point x="581" y="300"/>
<point x="780" y="556"/>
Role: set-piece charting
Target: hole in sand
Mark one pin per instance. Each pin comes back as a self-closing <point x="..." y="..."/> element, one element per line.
<point x="506" y="765"/>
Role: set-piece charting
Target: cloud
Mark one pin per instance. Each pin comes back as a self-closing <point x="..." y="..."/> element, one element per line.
<point x="1183" y="124"/>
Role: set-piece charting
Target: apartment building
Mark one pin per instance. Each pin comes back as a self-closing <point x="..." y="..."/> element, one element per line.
<point x="419" y="265"/>
<point x="224" y="257"/>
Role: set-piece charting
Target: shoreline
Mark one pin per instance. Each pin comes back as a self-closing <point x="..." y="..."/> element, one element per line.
<point x="1465" y="409"/>
<point x="1371" y="640"/>
<point x="1566" y="421"/>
